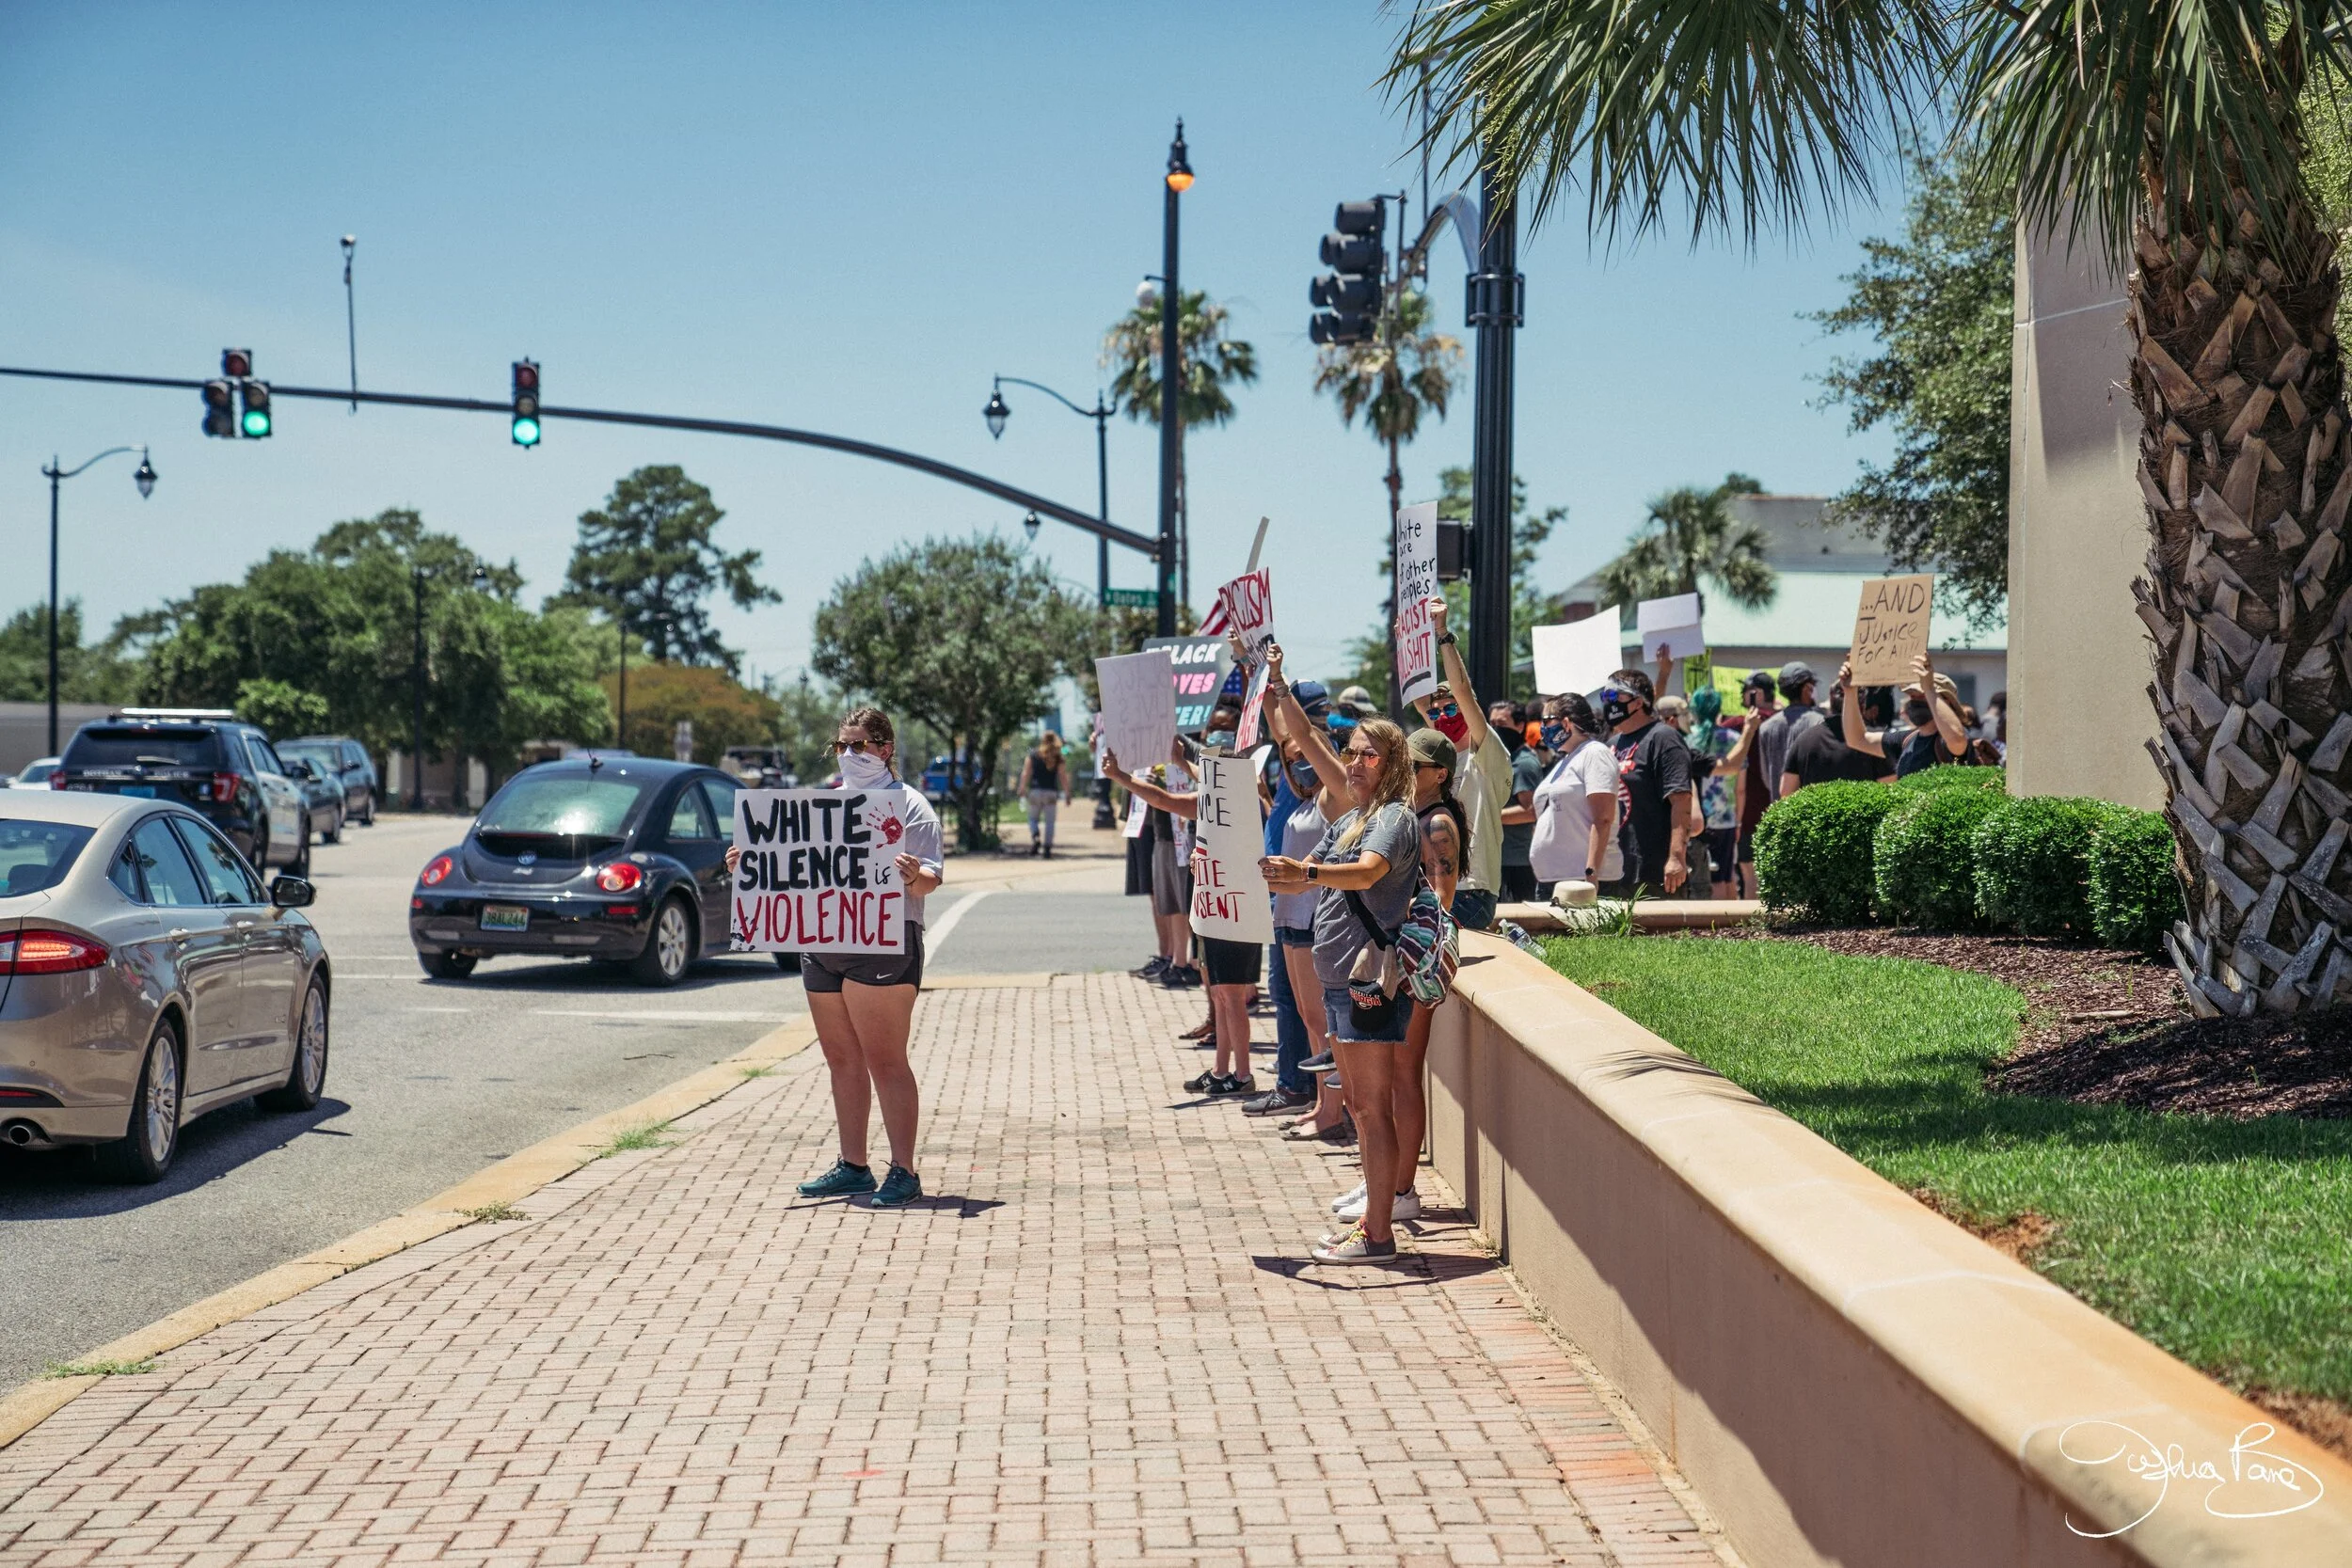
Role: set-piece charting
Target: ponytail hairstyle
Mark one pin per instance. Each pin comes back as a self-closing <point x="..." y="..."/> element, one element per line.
<point x="876" y="723"/>
<point x="1394" y="783"/>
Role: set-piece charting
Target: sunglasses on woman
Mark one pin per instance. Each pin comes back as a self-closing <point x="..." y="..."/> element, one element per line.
<point x="860" y="746"/>
<point x="1360" y="754"/>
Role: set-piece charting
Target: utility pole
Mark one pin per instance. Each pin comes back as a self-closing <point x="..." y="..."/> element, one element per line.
<point x="1497" y="306"/>
<point x="1171" y="373"/>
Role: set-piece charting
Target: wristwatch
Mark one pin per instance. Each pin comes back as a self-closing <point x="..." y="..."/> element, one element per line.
<point x="1447" y="639"/>
<point x="1314" y="871"/>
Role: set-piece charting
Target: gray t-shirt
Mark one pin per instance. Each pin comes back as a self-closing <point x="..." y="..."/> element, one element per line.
<point x="1302" y="830"/>
<point x="1772" y="741"/>
<point x="1394" y="835"/>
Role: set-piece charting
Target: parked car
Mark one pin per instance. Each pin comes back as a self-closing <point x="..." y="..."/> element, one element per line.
<point x="345" y="759"/>
<point x="622" y="861"/>
<point x="760" y="766"/>
<point x="36" y="774"/>
<point x="321" y="795"/>
<point x="205" y="759"/>
<point x="147" y="978"/>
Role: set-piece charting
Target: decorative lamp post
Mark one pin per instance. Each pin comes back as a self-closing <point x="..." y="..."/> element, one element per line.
<point x="998" y="411"/>
<point x="1178" y="180"/>
<point x="57" y="474"/>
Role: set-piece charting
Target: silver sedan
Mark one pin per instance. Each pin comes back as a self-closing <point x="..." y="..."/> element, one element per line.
<point x="146" y="976"/>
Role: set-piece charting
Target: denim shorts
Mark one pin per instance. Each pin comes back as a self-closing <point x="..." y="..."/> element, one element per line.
<point x="1338" y="1009"/>
<point x="1293" y="936"/>
<point x="1473" y="909"/>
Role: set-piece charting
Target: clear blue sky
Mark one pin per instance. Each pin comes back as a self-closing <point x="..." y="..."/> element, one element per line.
<point x="841" y="217"/>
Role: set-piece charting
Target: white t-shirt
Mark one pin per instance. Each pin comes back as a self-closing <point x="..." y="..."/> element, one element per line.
<point x="1482" y="781"/>
<point x="1564" y="817"/>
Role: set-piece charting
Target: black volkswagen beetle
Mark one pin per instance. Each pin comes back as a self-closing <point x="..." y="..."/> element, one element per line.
<point x="618" y="860"/>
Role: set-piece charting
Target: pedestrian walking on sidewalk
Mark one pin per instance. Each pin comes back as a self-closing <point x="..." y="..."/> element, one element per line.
<point x="864" y="1004"/>
<point x="1364" y="871"/>
<point x="1044" y="787"/>
<point x="1232" y="966"/>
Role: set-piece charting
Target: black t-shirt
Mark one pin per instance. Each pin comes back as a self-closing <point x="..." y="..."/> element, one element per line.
<point x="1924" y="749"/>
<point x="1820" y="756"/>
<point x="1653" y="773"/>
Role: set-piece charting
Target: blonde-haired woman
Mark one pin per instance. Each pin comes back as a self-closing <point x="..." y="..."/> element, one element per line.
<point x="1365" y="872"/>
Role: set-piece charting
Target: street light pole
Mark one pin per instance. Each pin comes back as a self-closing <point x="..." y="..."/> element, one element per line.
<point x="1496" y="307"/>
<point x="1179" y="179"/>
<point x="996" y="412"/>
<point x="416" y="692"/>
<point x="56" y="473"/>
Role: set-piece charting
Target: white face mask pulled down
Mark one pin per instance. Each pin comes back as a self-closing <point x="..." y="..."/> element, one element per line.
<point x="865" y="770"/>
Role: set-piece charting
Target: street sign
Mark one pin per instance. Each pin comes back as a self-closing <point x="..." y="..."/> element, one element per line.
<point x="1131" y="598"/>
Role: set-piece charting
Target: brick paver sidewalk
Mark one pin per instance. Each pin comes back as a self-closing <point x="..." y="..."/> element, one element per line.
<point x="1101" y="1342"/>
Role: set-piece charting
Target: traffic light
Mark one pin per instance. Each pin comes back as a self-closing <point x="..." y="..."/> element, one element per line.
<point x="236" y="363"/>
<point x="220" y="413"/>
<point x="525" y="430"/>
<point x="255" y="421"/>
<point x="1347" y="298"/>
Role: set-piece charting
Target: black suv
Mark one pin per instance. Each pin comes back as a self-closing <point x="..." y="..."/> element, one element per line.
<point x="342" y="759"/>
<point x="206" y="759"/>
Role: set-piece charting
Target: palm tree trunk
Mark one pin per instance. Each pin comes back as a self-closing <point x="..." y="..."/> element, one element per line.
<point x="2240" y="387"/>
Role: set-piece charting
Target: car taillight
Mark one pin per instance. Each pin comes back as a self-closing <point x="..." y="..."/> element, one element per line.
<point x="438" y="872"/>
<point x="39" y="952"/>
<point x="221" y="786"/>
<point x="621" y="911"/>
<point x="620" y="877"/>
<point x="56" y="780"/>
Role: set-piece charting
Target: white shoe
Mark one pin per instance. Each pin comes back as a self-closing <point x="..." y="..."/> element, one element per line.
<point x="1404" y="1206"/>
<point x="1350" y="1204"/>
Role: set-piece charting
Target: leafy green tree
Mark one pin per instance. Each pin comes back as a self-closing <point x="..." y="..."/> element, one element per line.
<point x="809" y="716"/>
<point x="1392" y="378"/>
<point x="723" y="711"/>
<point x="1941" y="303"/>
<point x="647" y="556"/>
<point x="97" y="673"/>
<point x="1690" y="542"/>
<point x="2168" y="134"/>
<point x="964" y="635"/>
<point x="1213" y="364"/>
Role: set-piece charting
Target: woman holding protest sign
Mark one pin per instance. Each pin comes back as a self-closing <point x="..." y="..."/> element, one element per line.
<point x="1232" y="967"/>
<point x="1364" y="871"/>
<point x="864" y="1004"/>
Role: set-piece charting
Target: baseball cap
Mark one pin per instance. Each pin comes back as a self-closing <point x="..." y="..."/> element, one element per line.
<point x="1313" y="698"/>
<point x="1356" y="697"/>
<point x="1760" y="680"/>
<point x="1794" y="673"/>
<point x="1430" y="747"/>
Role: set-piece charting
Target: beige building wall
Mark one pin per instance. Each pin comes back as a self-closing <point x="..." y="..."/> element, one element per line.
<point x="2079" y="711"/>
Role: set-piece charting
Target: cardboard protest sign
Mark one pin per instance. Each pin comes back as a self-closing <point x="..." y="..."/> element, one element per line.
<point x="1890" y="628"/>
<point x="816" y="873"/>
<point x="1229" y="892"/>
<point x="1416" y="579"/>
<point x="1197" y="670"/>
<point x="1670" y="623"/>
<point x="1578" y="657"/>
<point x="1248" y="605"/>
<point x="1139" y="706"/>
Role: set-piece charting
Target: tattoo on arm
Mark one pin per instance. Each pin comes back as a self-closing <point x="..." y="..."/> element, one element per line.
<point x="1445" y="846"/>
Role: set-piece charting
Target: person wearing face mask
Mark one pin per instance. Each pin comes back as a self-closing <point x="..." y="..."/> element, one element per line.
<point x="1043" y="787"/>
<point x="1711" y="744"/>
<point x="1482" y="781"/>
<point x="1938" y="738"/>
<point x="863" y="1005"/>
<point x="1528" y="767"/>
<point x="1825" y="754"/>
<point x="1759" y="698"/>
<point x="1576" y="803"/>
<point x="1654" y="786"/>
<point x="1303" y="800"/>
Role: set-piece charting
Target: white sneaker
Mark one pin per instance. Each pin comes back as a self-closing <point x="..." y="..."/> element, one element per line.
<point x="1352" y="1199"/>
<point x="1404" y="1206"/>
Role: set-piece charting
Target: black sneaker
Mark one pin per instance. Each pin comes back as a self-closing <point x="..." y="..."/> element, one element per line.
<point x="1229" y="1085"/>
<point x="1153" y="971"/>
<point x="1205" y="1083"/>
<point x="1325" y="1063"/>
<point x="1276" y="1102"/>
<point x="1180" y="977"/>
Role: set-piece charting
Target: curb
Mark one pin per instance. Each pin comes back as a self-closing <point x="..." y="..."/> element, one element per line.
<point x="516" y="1177"/>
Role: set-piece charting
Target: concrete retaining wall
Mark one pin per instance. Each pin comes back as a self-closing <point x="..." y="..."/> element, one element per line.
<point x="1846" y="1377"/>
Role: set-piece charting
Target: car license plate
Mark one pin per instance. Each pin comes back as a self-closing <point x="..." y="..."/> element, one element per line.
<point x="145" y="792"/>
<point x="505" y="917"/>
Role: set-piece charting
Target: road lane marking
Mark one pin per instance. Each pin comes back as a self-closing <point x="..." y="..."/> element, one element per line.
<point x="938" y="934"/>
<point x="668" y="1015"/>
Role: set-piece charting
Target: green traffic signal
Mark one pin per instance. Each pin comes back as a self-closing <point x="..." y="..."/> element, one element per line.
<point x="526" y="431"/>
<point x="254" y="396"/>
<point x="257" y="422"/>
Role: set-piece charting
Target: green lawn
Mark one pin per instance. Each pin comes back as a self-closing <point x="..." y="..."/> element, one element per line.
<point x="2229" y="1244"/>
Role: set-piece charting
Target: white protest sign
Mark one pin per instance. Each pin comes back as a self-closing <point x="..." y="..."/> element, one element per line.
<point x="1673" y="624"/>
<point x="1890" y="628"/>
<point x="1229" y="892"/>
<point x="1139" y="706"/>
<point x="1578" y="657"/>
<point x="816" y="873"/>
<point x="1416" y="579"/>
<point x="1138" y="816"/>
<point x="1249" y="603"/>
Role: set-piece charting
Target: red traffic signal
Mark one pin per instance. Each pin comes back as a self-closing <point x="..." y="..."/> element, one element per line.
<point x="236" y="363"/>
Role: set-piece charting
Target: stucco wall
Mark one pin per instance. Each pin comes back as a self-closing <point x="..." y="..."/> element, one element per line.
<point x="2079" y="711"/>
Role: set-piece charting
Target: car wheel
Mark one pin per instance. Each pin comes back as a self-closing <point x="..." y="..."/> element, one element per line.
<point x="143" y="1153"/>
<point x="335" y="833"/>
<point x="366" y="810"/>
<point x="444" y="965"/>
<point x="307" y="1077"/>
<point x="669" y="947"/>
<point x="789" y="963"/>
<point x="257" y="852"/>
<point x="300" y="864"/>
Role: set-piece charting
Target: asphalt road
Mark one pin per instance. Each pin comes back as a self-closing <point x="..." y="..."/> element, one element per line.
<point x="430" y="1081"/>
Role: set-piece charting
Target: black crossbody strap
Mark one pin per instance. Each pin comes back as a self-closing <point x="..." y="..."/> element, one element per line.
<point x="1380" y="938"/>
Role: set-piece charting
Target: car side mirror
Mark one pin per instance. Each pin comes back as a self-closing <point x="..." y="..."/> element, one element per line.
<point x="292" y="893"/>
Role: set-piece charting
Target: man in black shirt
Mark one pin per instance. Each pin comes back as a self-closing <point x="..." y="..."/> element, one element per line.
<point x="1820" y="755"/>
<point x="1653" y="785"/>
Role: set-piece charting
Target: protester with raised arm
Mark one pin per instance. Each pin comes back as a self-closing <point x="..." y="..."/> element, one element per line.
<point x="1482" y="778"/>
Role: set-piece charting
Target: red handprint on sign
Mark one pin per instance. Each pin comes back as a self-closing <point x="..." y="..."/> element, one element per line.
<point x="891" y="829"/>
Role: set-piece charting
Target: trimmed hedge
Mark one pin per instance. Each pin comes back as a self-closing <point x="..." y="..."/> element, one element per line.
<point x="2133" y="889"/>
<point x="1952" y="775"/>
<point x="1925" y="855"/>
<point x="1813" y="851"/>
<point x="2033" y="874"/>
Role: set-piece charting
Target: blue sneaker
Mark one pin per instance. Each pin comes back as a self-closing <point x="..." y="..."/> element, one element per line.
<point x="898" y="1188"/>
<point x="844" y="1181"/>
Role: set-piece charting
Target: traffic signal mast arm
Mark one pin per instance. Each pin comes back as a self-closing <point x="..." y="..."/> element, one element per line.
<point x="1143" y="544"/>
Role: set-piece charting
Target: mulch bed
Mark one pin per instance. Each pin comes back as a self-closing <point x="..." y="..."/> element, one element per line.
<point x="2110" y="1028"/>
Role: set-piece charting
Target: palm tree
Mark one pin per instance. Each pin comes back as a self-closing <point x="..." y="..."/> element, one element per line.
<point x="1392" y="378"/>
<point x="1212" y="362"/>
<point x="1690" y="539"/>
<point x="2168" y="134"/>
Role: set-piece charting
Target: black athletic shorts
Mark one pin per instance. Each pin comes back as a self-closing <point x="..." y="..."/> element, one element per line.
<point x="824" y="972"/>
<point x="1231" y="963"/>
